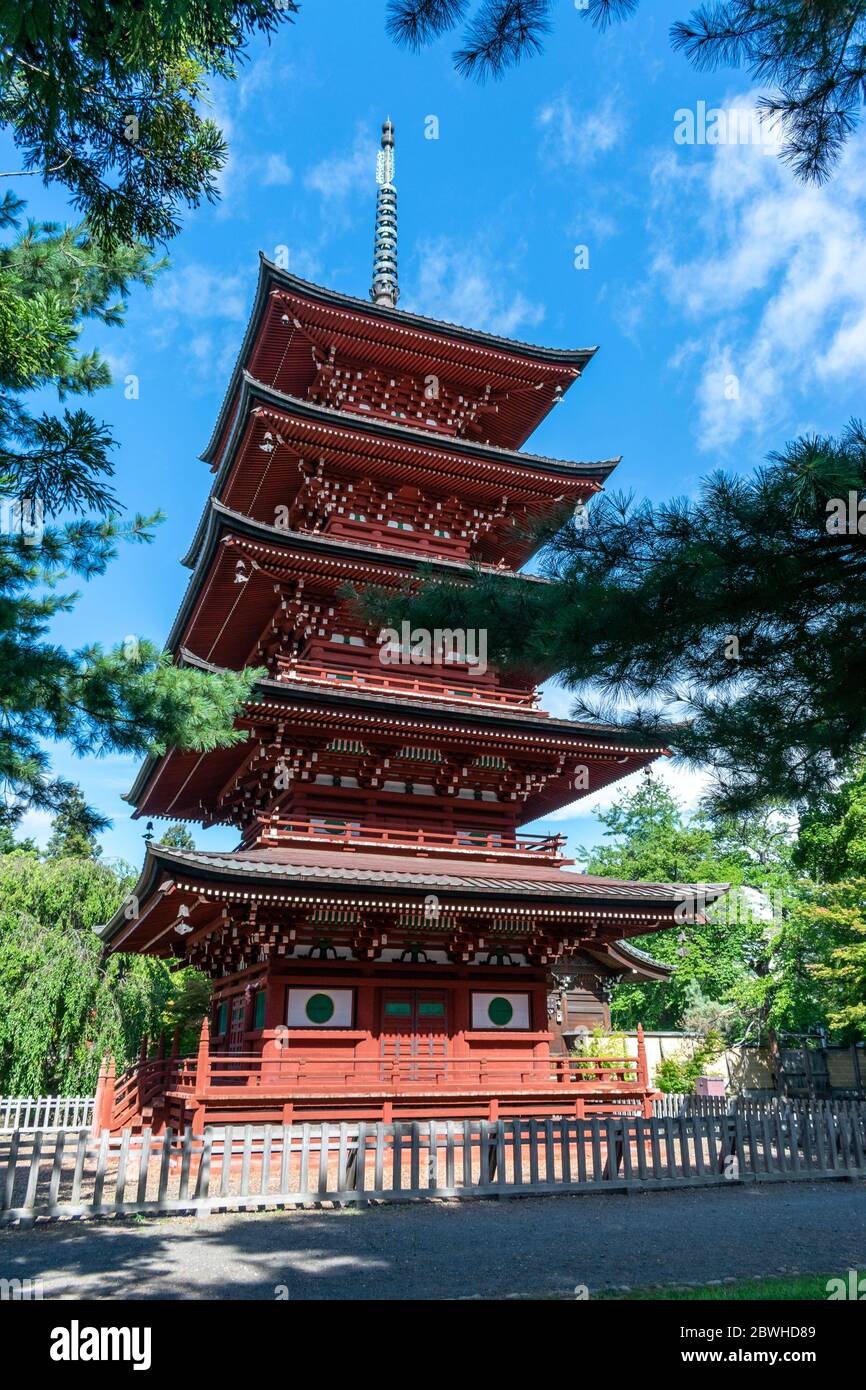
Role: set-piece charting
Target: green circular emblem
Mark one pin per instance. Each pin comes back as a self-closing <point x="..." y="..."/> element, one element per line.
<point x="500" y="1011"/>
<point x="320" y="1007"/>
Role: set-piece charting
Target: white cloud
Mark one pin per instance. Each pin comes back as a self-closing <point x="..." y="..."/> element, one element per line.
<point x="341" y="175"/>
<point x="773" y="270"/>
<point x="576" y="134"/>
<point x="687" y="786"/>
<point x="276" y="171"/>
<point x="457" y="285"/>
<point x="204" y="308"/>
<point x="194" y="291"/>
<point x="34" y="825"/>
<point x="244" y="166"/>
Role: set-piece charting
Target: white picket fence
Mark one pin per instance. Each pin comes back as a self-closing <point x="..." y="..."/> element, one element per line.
<point x="45" y="1112"/>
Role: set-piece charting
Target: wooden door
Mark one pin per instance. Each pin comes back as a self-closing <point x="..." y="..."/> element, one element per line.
<point x="237" y="1024"/>
<point x="414" y="1031"/>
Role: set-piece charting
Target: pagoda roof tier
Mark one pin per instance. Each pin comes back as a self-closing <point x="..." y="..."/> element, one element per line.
<point x="302" y="882"/>
<point x="294" y="323"/>
<point x="221" y="621"/>
<point x="267" y="423"/>
<point x="297" y="714"/>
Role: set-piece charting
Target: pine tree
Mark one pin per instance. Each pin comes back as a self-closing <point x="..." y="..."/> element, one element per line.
<point x="74" y="829"/>
<point x="60" y="519"/>
<point x="812" y="52"/>
<point x="104" y="97"/>
<point x="731" y="625"/>
<point x="177" y="837"/>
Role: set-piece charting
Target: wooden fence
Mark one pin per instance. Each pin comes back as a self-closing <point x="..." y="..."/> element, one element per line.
<point x="71" y="1174"/>
<point x="45" y="1112"/>
<point x="674" y="1105"/>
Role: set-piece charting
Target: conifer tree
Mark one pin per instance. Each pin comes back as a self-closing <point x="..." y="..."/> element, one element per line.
<point x="60" y="519"/>
<point x="75" y="828"/>
<point x="104" y="97"/>
<point x="731" y="625"/>
<point x="812" y="53"/>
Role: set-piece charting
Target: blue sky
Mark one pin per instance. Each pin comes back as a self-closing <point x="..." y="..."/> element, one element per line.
<point x="728" y="302"/>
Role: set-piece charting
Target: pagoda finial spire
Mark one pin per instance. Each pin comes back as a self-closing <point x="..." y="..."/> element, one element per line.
<point x="384" y="289"/>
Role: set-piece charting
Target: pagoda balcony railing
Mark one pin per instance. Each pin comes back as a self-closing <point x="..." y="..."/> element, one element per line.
<point x="479" y="844"/>
<point x="499" y="697"/>
<point x="289" y="1072"/>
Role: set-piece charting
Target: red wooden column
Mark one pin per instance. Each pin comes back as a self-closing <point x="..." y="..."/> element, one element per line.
<point x="369" y="996"/>
<point x="103" y="1106"/>
<point x="539" y="1021"/>
<point x="202" y="1078"/>
<point x="642" y="1065"/>
<point x="461" y="1020"/>
<point x="202" y="1063"/>
<point x="274" y="1042"/>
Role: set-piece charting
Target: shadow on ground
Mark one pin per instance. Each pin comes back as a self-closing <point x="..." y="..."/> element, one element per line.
<point x="541" y="1246"/>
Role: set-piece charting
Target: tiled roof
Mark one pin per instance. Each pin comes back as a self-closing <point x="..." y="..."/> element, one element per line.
<point x="454" y="875"/>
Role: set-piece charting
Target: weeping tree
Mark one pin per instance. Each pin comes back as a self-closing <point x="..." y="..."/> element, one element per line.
<point x="63" y="1004"/>
<point x="812" y="55"/>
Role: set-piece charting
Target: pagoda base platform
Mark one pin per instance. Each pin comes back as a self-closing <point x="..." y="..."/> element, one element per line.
<point x="162" y="1094"/>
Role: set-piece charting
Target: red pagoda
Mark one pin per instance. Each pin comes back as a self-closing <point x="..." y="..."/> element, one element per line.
<point x="384" y="943"/>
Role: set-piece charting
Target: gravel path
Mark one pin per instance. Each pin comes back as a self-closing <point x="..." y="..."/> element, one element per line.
<point x="485" y="1249"/>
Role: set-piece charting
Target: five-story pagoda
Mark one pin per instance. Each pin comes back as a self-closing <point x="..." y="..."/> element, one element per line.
<point x="384" y="942"/>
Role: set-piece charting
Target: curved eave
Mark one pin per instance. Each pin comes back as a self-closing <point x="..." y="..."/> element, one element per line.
<point x="269" y="692"/>
<point x="251" y="390"/>
<point x="404" y="879"/>
<point x="270" y="688"/>
<point x="220" y="520"/>
<point x="271" y="275"/>
<point x="620" y="957"/>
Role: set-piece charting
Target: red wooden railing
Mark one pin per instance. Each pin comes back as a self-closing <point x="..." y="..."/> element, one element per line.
<point x="274" y="830"/>
<point x="126" y="1100"/>
<point x="289" y="1072"/>
<point x="497" y="696"/>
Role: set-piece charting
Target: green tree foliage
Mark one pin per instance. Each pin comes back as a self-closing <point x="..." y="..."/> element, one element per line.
<point x="836" y="912"/>
<point x="177" y="837"/>
<point x="781" y="953"/>
<point x="104" y="97"/>
<point x="131" y="699"/>
<point x="732" y="625"/>
<point x="74" y="829"/>
<point x="63" y="1004"/>
<point x="652" y="842"/>
<point x="831" y="844"/>
<point x="811" y="52"/>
